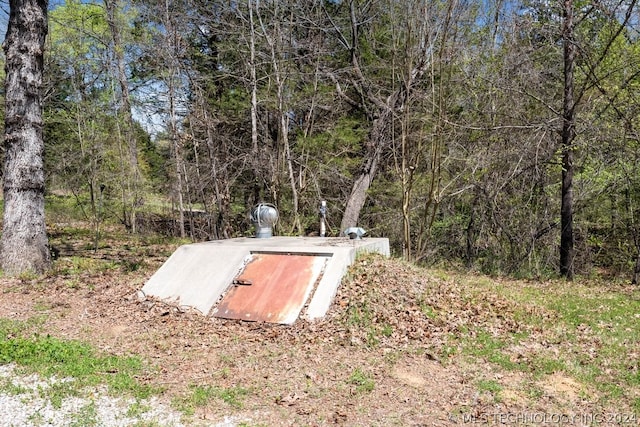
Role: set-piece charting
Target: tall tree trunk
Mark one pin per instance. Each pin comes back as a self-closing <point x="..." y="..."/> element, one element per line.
<point x="133" y="179"/>
<point x="254" y="83"/>
<point x="176" y="146"/>
<point x="567" y="251"/>
<point x="258" y="154"/>
<point x="361" y="185"/>
<point x="406" y="175"/>
<point x="380" y="110"/>
<point x="24" y="245"/>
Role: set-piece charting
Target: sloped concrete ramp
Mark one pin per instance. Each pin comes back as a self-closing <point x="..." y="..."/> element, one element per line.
<point x="204" y="276"/>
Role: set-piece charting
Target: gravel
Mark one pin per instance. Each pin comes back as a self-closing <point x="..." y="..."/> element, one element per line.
<point x="24" y="402"/>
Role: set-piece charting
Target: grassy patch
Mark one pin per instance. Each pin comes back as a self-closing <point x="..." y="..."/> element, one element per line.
<point x="10" y="388"/>
<point x="591" y="332"/>
<point x="200" y="396"/>
<point x="547" y="365"/>
<point x="75" y="265"/>
<point x="426" y="309"/>
<point x="86" y="416"/>
<point x="490" y="386"/>
<point x="75" y="365"/>
<point x="363" y="382"/>
<point x="136" y="409"/>
<point x="10" y="328"/>
<point x="485" y="345"/>
<point x="64" y="207"/>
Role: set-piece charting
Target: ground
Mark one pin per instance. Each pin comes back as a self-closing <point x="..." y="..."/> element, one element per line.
<point x="391" y="350"/>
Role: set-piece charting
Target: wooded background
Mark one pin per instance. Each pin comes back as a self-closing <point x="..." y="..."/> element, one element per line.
<point x="497" y="134"/>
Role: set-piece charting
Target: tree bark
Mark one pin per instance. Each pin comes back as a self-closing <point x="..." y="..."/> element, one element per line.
<point x="24" y="245"/>
<point x="362" y="183"/>
<point x="567" y="251"/>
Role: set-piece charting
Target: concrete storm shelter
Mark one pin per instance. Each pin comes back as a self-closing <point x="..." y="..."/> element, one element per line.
<point x="274" y="279"/>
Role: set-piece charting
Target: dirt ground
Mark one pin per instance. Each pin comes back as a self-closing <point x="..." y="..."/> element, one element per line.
<point x="380" y="357"/>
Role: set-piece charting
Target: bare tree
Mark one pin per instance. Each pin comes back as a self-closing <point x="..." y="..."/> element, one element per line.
<point x="382" y="107"/>
<point x="571" y="100"/>
<point x="24" y="243"/>
<point x="275" y="39"/>
<point x="567" y="251"/>
<point x="132" y="179"/>
<point x="170" y="54"/>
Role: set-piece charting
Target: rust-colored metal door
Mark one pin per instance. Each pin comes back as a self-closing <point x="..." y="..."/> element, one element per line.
<point x="272" y="287"/>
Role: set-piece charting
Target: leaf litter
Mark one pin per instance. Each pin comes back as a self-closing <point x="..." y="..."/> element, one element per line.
<point x="391" y="350"/>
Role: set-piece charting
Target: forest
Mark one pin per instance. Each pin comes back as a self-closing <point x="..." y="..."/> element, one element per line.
<point x="494" y="143"/>
<point x="495" y="135"/>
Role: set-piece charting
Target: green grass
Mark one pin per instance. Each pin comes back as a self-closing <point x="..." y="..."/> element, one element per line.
<point x="136" y="409"/>
<point x="427" y="310"/>
<point x="10" y="328"/>
<point x="363" y="381"/>
<point x="200" y="396"/>
<point x="75" y="265"/>
<point x="66" y="207"/>
<point x="490" y="386"/>
<point x="86" y="416"/>
<point x="592" y="333"/>
<point x="10" y="388"/>
<point x="77" y="363"/>
<point x="483" y="344"/>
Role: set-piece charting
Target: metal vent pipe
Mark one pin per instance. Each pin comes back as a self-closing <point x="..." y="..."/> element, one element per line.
<point x="264" y="216"/>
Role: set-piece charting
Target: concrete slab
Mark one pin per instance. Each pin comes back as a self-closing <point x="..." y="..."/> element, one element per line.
<point x="197" y="275"/>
